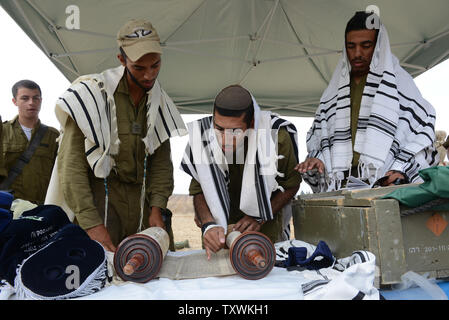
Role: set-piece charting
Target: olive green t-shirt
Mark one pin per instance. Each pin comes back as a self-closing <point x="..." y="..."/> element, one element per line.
<point x="356" y="99"/>
<point x="286" y="165"/>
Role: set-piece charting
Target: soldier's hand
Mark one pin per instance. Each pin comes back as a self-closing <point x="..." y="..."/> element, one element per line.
<point x="155" y="219"/>
<point x="101" y="234"/>
<point x="214" y="240"/>
<point x="247" y="223"/>
<point x="310" y="164"/>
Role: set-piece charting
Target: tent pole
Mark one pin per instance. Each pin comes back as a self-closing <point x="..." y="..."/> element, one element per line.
<point x="180" y="43"/>
<point x="182" y="24"/>
<point x="54" y="28"/>
<point x="300" y="57"/>
<point x="268" y="19"/>
<point x="273" y="10"/>
<point x="413" y="66"/>
<point x="424" y="43"/>
<point x="65" y="66"/>
<point x="74" y="53"/>
<point x="305" y="50"/>
<point x="20" y="9"/>
<point x="439" y="59"/>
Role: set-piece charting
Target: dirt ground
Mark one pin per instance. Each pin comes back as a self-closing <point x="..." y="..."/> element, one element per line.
<point x="184" y="228"/>
<point x="183" y="225"/>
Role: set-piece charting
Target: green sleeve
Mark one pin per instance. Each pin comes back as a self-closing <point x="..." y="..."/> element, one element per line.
<point x="160" y="176"/>
<point x="291" y="178"/>
<point x="73" y="171"/>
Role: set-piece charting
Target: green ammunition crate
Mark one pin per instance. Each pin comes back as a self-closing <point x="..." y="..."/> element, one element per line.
<point x="350" y="220"/>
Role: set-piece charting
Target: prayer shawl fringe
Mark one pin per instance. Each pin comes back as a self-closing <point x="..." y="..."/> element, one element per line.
<point x="94" y="283"/>
<point x="395" y="129"/>
<point x="205" y="162"/>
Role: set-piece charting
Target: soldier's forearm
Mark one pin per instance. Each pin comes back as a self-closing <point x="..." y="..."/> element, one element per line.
<point x="202" y="211"/>
<point x="282" y="198"/>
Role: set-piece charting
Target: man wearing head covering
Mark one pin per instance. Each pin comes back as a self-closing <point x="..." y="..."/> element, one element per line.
<point x="29" y="146"/>
<point x="114" y="165"/>
<point x="372" y="121"/>
<point x="241" y="161"/>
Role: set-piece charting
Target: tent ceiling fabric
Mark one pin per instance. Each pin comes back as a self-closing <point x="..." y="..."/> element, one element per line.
<point x="283" y="51"/>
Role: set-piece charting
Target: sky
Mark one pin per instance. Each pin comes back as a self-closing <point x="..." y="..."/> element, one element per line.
<point x="22" y="59"/>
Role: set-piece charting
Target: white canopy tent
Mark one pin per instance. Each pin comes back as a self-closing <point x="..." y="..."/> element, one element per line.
<point x="283" y="51"/>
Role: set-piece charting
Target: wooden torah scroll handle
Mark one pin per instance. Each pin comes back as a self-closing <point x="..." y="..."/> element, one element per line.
<point x="252" y="254"/>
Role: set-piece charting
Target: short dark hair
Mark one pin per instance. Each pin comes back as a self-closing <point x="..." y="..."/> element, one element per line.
<point x="249" y="113"/>
<point x="358" y="22"/>
<point x="24" y="84"/>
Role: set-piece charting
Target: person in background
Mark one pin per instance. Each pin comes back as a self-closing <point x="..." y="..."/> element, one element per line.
<point x="372" y="122"/>
<point x="29" y="146"/>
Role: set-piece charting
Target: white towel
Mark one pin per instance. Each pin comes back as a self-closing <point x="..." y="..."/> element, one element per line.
<point x="395" y="128"/>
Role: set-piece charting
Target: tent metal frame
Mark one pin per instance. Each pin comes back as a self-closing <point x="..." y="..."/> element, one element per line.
<point x="255" y="39"/>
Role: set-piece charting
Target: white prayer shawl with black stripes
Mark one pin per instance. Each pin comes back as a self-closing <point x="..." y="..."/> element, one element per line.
<point x="90" y="103"/>
<point x="205" y="162"/>
<point x="395" y="128"/>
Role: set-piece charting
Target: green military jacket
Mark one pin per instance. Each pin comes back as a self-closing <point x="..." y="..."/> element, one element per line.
<point x="76" y="175"/>
<point x="33" y="181"/>
<point x="291" y="178"/>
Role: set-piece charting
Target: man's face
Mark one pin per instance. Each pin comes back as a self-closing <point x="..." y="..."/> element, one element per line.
<point x="360" y="46"/>
<point x="145" y="70"/>
<point x="230" y="131"/>
<point x="28" y="102"/>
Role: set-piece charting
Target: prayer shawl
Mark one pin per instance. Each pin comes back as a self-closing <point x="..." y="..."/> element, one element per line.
<point x="90" y="103"/>
<point x="395" y="128"/>
<point x="205" y="162"/>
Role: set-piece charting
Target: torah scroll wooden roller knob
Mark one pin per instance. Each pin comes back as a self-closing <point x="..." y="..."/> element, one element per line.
<point x="139" y="257"/>
<point x="252" y="254"/>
